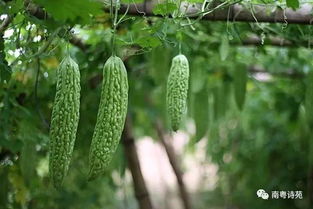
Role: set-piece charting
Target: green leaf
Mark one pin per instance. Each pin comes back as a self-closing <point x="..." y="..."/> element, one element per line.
<point x="28" y="161"/>
<point x="198" y="74"/>
<point x="5" y="72"/>
<point x="240" y="83"/>
<point x="294" y="4"/>
<point x="148" y="42"/>
<point x="164" y="9"/>
<point x="159" y="64"/>
<point x="71" y="9"/>
<point x="201" y="113"/>
<point x="309" y="99"/>
<point x="224" y="48"/>
<point x="15" y="6"/>
<point x="220" y="100"/>
<point x="4" y="188"/>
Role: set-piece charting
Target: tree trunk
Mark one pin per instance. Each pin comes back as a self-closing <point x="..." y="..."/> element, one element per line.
<point x="175" y="165"/>
<point x="141" y="192"/>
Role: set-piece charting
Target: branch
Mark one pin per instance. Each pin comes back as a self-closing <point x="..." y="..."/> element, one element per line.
<point x="272" y="41"/>
<point x="5" y="24"/>
<point x="78" y="43"/>
<point x="175" y="165"/>
<point x="141" y="192"/>
<point x="275" y="41"/>
<point x="238" y="13"/>
<point x="289" y="73"/>
<point x="40" y="14"/>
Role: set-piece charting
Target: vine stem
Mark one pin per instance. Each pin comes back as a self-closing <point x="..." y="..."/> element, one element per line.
<point x="179" y="47"/>
<point x="179" y="15"/>
<point x="114" y="15"/>
<point x="37" y="102"/>
<point x="42" y="49"/>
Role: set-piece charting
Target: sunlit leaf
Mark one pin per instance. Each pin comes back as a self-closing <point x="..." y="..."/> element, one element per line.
<point x="164" y="8"/>
<point x="148" y="42"/>
<point x="294" y="4"/>
<point x="71" y="9"/>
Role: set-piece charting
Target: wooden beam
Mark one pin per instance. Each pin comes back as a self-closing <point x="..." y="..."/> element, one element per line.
<point x="271" y="41"/>
<point x="288" y="73"/>
<point x="238" y="13"/>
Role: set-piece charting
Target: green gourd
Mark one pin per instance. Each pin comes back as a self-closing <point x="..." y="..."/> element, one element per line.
<point x="177" y="90"/>
<point x="64" y="120"/>
<point x="111" y="116"/>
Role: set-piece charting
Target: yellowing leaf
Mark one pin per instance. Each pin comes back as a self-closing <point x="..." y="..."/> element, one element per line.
<point x="21" y="192"/>
<point x="51" y="62"/>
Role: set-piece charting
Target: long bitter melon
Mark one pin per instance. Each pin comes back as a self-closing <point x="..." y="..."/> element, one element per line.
<point x="111" y="116"/>
<point x="64" y="120"/>
<point x="177" y="90"/>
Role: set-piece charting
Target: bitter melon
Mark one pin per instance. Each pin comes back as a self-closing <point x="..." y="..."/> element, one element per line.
<point x="177" y="90"/>
<point x="111" y="116"/>
<point x="64" y="119"/>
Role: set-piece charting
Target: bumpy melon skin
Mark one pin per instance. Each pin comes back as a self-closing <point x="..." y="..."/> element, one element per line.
<point x="111" y="116"/>
<point x="177" y="90"/>
<point x="64" y="120"/>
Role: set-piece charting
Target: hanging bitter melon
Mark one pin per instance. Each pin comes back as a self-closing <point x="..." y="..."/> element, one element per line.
<point x="177" y="90"/>
<point x="64" y="120"/>
<point x="111" y="116"/>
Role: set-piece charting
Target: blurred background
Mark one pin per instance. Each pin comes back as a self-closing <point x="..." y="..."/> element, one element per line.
<point x="246" y="127"/>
